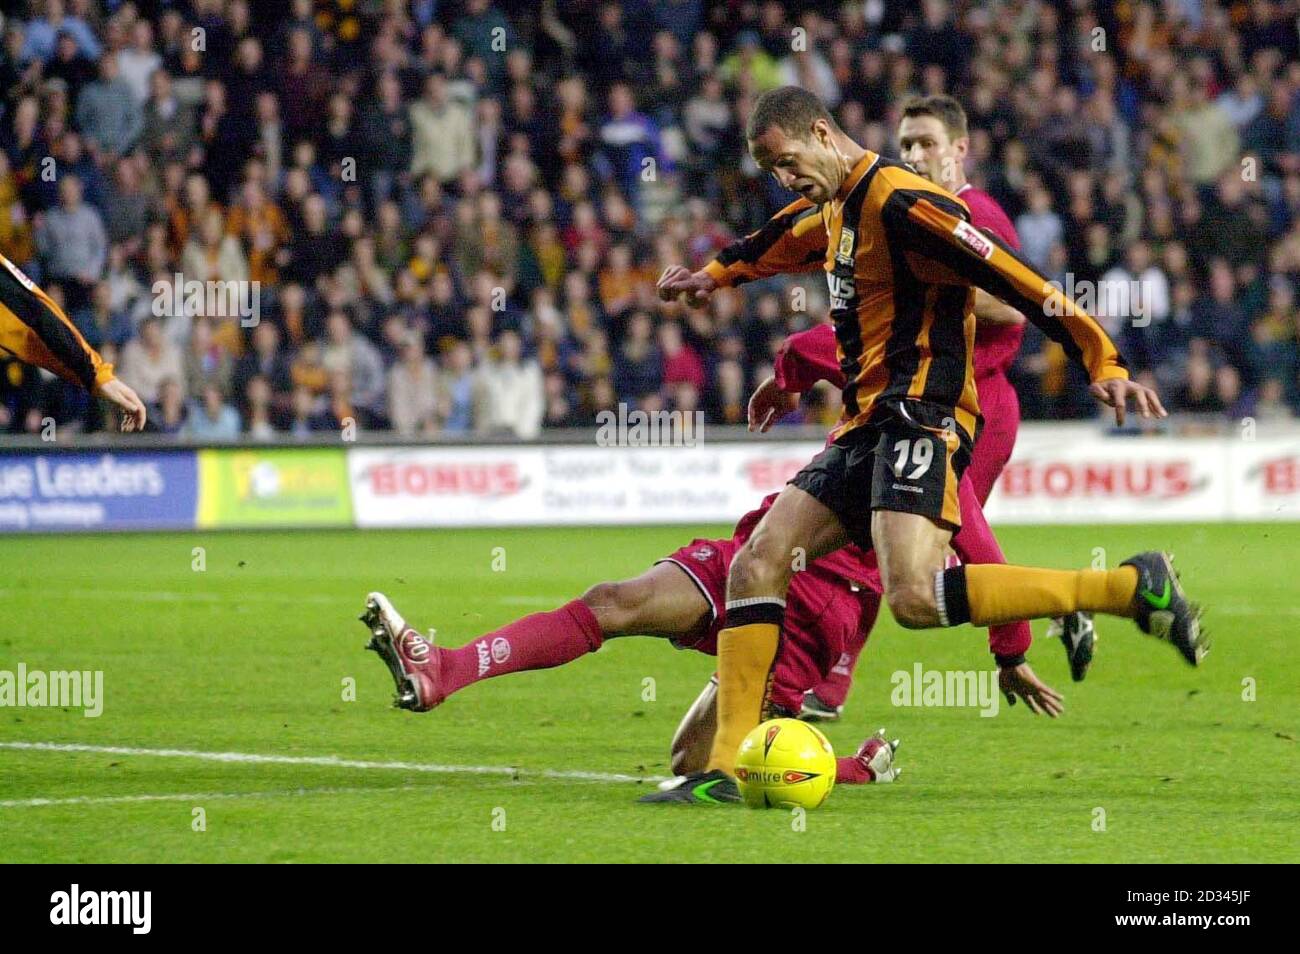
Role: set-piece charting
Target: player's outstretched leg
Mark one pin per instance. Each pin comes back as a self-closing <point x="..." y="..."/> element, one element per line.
<point x="412" y="659"/>
<point x="1144" y="588"/>
<point x="663" y="601"/>
<point x="975" y="543"/>
<point x="426" y="674"/>
<point x="1163" y="610"/>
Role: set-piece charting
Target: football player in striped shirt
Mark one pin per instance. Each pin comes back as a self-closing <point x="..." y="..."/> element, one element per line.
<point x="901" y="259"/>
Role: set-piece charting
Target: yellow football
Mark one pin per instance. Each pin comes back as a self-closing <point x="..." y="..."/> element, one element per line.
<point x="785" y="763"/>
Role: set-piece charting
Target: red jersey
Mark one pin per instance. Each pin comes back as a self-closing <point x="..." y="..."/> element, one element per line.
<point x="996" y="346"/>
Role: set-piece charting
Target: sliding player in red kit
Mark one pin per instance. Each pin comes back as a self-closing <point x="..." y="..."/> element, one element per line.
<point x="932" y="137"/>
<point x="682" y="597"/>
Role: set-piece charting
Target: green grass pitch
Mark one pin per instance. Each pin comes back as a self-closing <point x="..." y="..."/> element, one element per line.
<point x="251" y="656"/>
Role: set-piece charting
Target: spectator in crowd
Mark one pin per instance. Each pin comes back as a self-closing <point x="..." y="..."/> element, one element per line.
<point x="72" y="243"/>
<point x="259" y="413"/>
<point x="356" y="357"/>
<point x="207" y="364"/>
<point x="510" y="394"/>
<point x="456" y="396"/>
<point x="43" y="31"/>
<point x="211" y="419"/>
<point x="126" y="207"/>
<point x="168" y="131"/>
<point x="442" y="133"/>
<point x="108" y="111"/>
<point x="149" y="360"/>
<point x="413" y="389"/>
<point x="212" y="255"/>
<point x="70" y="65"/>
<point x="136" y="63"/>
<point x="173" y="411"/>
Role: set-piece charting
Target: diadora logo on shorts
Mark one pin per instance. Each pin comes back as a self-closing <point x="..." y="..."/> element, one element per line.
<point x="415" y="646"/>
<point x="703" y="554"/>
<point x="974" y="239"/>
<point x="484" y="657"/>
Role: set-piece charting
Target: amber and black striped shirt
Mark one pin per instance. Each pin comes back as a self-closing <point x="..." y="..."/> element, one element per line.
<point x="901" y="259"/>
<point x="35" y="330"/>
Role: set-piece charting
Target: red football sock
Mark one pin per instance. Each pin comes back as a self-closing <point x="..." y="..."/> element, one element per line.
<point x="851" y="771"/>
<point x="539" y="641"/>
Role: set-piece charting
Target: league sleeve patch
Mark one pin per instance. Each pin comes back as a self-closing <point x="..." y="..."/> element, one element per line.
<point x="974" y="239"/>
<point x="18" y="274"/>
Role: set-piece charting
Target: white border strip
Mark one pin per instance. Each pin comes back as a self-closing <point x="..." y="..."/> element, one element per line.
<point x="331" y="761"/>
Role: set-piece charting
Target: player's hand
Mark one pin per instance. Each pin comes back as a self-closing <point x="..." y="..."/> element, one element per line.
<point x="1020" y="682"/>
<point x="677" y="280"/>
<point x="1115" y="392"/>
<point x="769" y="404"/>
<point x="126" y="400"/>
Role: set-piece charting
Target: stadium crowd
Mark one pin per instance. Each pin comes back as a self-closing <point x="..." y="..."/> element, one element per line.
<point x="454" y="213"/>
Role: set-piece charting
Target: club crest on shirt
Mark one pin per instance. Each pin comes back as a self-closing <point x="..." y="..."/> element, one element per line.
<point x="974" y="239"/>
<point x="844" y="253"/>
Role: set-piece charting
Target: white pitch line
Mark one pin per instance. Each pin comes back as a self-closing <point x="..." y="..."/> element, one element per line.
<point x="330" y="761"/>
<point x="176" y="596"/>
<point x="192" y="797"/>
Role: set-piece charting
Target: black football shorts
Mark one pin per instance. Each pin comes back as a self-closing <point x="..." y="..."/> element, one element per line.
<point x="909" y="457"/>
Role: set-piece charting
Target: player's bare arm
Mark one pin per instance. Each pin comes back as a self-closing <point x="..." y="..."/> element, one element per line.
<point x="994" y="311"/>
<point x="679" y="282"/>
<point x="1117" y="392"/>
<point x="120" y="395"/>
<point x="1019" y="682"/>
<point x="768" y="404"/>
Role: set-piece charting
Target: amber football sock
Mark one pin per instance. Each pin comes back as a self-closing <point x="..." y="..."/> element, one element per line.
<point x="746" y="652"/>
<point x="987" y="594"/>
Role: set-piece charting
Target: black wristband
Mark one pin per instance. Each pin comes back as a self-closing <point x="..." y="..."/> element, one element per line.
<point x="1009" y="662"/>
